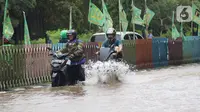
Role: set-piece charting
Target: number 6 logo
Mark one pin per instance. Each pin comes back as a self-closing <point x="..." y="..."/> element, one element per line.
<point x="184" y="13"/>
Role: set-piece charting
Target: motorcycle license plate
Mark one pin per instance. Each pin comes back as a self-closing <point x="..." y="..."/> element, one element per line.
<point x="54" y="74"/>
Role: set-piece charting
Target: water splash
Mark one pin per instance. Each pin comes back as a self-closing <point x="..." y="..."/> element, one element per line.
<point x="108" y="72"/>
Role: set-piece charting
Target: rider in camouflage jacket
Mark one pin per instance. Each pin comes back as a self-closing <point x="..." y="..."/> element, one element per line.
<point x="74" y="49"/>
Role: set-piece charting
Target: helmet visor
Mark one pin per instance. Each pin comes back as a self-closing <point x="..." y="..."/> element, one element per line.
<point x="68" y="34"/>
<point x="110" y="36"/>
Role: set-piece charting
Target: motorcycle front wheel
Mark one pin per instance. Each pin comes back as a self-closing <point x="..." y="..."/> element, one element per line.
<point x="58" y="79"/>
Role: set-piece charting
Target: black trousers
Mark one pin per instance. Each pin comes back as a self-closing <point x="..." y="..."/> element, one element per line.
<point x="75" y="73"/>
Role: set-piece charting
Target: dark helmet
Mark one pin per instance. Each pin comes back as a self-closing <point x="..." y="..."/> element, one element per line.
<point x="72" y="32"/>
<point x="111" y="32"/>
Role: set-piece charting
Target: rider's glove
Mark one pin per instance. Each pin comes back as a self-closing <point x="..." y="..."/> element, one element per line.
<point x="68" y="62"/>
<point x="116" y="49"/>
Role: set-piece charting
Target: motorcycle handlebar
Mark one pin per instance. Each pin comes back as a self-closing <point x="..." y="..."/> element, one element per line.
<point x="60" y="55"/>
<point x="48" y="48"/>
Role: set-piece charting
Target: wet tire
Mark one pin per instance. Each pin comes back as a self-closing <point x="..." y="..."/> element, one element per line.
<point x="59" y="80"/>
<point x="82" y="74"/>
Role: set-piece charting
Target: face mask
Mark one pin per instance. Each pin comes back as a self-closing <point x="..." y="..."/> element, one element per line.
<point x="70" y="37"/>
<point x="110" y="37"/>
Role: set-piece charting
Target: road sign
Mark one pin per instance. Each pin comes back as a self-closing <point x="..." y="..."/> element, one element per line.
<point x="184" y="13"/>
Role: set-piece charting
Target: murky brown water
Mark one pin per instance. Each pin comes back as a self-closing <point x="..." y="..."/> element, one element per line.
<point x="172" y="89"/>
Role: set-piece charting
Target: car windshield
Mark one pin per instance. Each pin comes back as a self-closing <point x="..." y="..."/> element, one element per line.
<point x="101" y="38"/>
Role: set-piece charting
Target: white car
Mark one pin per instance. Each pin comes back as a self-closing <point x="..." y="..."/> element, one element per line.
<point x="100" y="37"/>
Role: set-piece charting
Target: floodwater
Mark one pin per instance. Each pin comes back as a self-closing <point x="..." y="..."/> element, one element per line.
<point x="170" y="89"/>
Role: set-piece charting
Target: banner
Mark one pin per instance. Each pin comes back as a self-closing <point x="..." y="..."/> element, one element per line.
<point x="122" y="18"/>
<point x="8" y="30"/>
<point x="108" y="23"/>
<point x="26" y="32"/>
<point x="136" y="19"/>
<point x="148" y="16"/>
<point x="95" y="15"/>
<point x="175" y="33"/>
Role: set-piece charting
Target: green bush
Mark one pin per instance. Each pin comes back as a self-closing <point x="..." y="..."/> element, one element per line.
<point x="85" y="37"/>
<point x="39" y="41"/>
<point x="188" y="33"/>
<point x="54" y="35"/>
<point x="168" y="34"/>
<point x="139" y="31"/>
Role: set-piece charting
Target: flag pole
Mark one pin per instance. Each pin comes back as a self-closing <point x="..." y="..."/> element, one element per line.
<point x="120" y="29"/>
<point x="134" y="30"/>
<point x="146" y="21"/>
<point x="70" y="19"/>
<point x="4" y="19"/>
<point x="88" y="21"/>
<point x="119" y="19"/>
<point x="172" y="23"/>
<point x="192" y="21"/>
<point x="25" y="39"/>
<point x="2" y="40"/>
<point x="181" y="28"/>
<point x="133" y="21"/>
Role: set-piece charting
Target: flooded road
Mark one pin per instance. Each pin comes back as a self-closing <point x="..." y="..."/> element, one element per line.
<point x="171" y="89"/>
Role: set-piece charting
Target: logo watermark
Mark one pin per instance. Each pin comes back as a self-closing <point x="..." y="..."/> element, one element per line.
<point x="184" y="13"/>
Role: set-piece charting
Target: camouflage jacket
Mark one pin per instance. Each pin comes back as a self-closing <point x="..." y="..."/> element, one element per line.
<point x="74" y="50"/>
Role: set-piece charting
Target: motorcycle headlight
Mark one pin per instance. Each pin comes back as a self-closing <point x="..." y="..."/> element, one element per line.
<point x="57" y="61"/>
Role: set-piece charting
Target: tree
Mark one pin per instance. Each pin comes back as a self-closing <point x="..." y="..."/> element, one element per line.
<point x="16" y="7"/>
<point x="56" y="12"/>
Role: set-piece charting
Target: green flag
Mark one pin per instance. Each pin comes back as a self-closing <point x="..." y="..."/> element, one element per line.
<point x="8" y="30"/>
<point x="182" y="34"/>
<point x="148" y="16"/>
<point x="136" y="19"/>
<point x="175" y="33"/>
<point x="122" y="18"/>
<point x="95" y="15"/>
<point x="196" y="19"/>
<point x="108" y="23"/>
<point x="26" y="32"/>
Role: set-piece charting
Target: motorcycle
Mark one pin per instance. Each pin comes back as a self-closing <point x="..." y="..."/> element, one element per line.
<point x="106" y="54"/>
<point x="59" y="64"/>
<point x="109" y="54"/>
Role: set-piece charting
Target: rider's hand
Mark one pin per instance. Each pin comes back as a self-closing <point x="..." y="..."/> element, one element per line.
<point x="114" y="54"/>
<point x="68" y="62"/>
<point x="117" y="49"/>
<point x="97" y="53"/>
